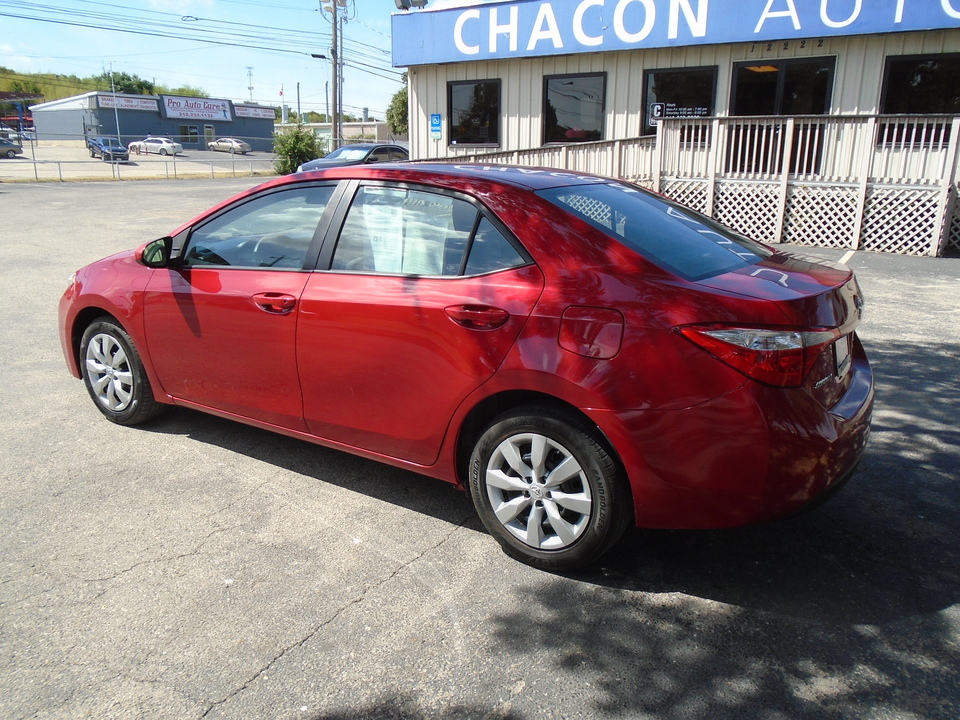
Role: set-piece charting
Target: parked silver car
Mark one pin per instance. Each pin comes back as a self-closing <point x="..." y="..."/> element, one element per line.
<point x="158" y="145"/>
<point x="230" y="145"/>
<point x="9" y="149"/>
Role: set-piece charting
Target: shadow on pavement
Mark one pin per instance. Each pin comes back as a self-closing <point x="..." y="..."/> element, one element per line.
<point x="825" y="615"/>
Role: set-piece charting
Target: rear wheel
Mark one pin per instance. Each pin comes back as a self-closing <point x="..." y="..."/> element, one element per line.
<point x="114" y="374"/>
<point x="547" y="489"/>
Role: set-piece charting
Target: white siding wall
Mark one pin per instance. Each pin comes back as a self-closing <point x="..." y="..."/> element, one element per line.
<point x="856" y="89"/>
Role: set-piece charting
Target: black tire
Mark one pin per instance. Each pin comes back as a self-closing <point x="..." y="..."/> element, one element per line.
<point x="562" y="497"/>
<point x="163" y="151"/>
<point x="11" y="154"/>
<point x="114" y="375"/>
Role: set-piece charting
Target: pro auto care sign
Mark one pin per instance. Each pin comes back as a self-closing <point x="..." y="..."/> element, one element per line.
<point x="193" y="108"/>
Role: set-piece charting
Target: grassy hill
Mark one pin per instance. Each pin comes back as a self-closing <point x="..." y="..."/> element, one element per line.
<point x="54" y="86"/>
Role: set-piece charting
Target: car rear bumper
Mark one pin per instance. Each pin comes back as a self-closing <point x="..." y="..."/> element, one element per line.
<point x="755" y="454"/>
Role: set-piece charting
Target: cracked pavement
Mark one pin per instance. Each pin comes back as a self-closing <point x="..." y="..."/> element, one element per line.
<point x="198" y="568"/>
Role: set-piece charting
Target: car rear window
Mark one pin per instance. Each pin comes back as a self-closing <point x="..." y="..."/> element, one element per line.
<point x="676" y="238"/>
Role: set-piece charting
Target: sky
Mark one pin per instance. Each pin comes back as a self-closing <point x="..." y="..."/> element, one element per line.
<point x="221" y="46"/>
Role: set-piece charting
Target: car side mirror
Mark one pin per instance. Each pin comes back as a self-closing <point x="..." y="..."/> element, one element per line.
<point x="373" y="159"/>
<point x="155" y="254"/>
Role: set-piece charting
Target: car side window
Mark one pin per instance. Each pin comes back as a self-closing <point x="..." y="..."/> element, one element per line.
<point x="396" y="154"/>
<point x="491" y="251"/>
<point x="400" y="231"/>
<point x="272" y="231"/>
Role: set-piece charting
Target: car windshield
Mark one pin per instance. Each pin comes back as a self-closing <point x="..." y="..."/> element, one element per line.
<point x="676" y="238"/>
<point x="346" y="153"/>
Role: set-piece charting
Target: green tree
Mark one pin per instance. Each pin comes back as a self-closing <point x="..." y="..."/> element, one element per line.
<point x="293" y="148"/>
<point x="398" y="119"/>
<point x="125" y="83"/>
<point x="184" y="90"/>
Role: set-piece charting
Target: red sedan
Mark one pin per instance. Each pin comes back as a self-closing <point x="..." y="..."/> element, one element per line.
<point x="579" y="354"/>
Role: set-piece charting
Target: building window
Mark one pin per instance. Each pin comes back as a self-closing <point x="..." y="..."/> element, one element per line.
<point x="573" y="108"/>
<point x="921" y="85"/>
<point x="474" y="112"/>
<point x="189" y="135"/>
<point x="779" y="87"/>
<point x="783" y="87"/>
<point x="684" y="92"/>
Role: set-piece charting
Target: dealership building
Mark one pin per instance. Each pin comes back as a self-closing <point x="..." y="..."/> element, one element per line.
<point x="818" y="122"/>
<point x="191" y="121"/>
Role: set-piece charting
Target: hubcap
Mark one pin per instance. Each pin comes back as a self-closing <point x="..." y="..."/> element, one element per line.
<point x="109" y="373"/>
<point x="538" y="491"/>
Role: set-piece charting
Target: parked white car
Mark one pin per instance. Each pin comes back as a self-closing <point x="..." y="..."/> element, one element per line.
<point x="158" y="145"/>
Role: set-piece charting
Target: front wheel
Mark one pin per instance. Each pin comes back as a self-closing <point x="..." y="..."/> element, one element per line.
<point x="114" y="374"/>
<point x="547" y="489"/>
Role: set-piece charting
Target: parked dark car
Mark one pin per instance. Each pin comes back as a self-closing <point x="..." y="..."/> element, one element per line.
<point x="360" y="154"/>
<point x="9" y="148"/>
<point x="579" y="354"/>
<point x="108" y="148"/>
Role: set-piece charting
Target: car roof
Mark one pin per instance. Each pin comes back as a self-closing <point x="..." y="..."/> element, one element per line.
<point x="530" y="178"/>
<point x="367" y="146"/>
<point x="471" y="178"/>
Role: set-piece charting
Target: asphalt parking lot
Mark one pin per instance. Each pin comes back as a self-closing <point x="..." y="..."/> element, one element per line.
<point x="71" y="162"/>
<point x="197" y="568"/>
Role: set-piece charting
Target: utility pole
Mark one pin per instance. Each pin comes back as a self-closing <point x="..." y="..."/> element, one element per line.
<point x="116" y="113"/>
<point x="332" y="7"/>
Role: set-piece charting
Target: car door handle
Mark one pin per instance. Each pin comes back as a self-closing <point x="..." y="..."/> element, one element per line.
<point x="477" y="317"/>
<point x="274" y="302"/>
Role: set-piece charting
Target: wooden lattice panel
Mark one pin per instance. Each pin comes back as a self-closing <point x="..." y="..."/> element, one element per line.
<point x="596" y="210"/>
<point x="750" y="208"/>
<point x="692" y="193"/>
<point x="900" y="219"/>
<point x="821" y="216"/>
<point x="953" y="235"/>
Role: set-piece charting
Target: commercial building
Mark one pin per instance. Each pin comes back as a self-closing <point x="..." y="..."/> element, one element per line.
<point x="824" y="122"/>
<point x="191" y="121"/>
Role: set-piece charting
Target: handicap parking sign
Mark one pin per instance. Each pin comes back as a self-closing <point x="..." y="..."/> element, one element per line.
<point x="436" y="126"/>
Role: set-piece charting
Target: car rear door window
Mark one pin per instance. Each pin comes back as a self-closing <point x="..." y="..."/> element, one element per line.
<point x="491" y="251"/>
<point x="272" y="231"/>
<point x="403" y="231"/>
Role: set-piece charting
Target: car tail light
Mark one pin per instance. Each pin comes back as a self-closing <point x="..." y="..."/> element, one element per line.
<point x="781" y="357"/>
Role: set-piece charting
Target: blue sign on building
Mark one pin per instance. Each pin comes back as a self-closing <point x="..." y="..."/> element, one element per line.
<point x="532" y="28"/>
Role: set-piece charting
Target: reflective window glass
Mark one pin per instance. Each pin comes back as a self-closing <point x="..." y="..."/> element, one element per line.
<point x="474" y="112"/>
<point x="573" y="107"/>
<point x="272" y="231"/>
